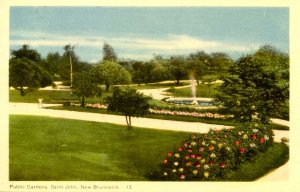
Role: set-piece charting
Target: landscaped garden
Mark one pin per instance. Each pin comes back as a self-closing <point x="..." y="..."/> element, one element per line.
<point x="88" y="151"/>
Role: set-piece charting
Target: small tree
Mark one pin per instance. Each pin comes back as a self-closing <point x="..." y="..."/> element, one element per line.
<point x="128" y="102"/>
<point x="84" y="86"/>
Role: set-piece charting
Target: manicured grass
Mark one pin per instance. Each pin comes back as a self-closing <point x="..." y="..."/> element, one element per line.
<point x="158" y="85"/>
<point x="43" y="148"/>
<point x="48" y="95"/>
<point x="202" y="90"/>
<point x="263" y="163"/>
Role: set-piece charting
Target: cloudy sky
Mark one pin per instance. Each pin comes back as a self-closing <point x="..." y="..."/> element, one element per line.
<point x="141" y="32"/>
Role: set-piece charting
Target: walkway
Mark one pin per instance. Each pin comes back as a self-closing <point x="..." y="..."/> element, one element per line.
<point x="280" y="174"/>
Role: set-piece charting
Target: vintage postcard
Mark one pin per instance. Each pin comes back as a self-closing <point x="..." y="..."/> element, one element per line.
<point x="149" y="96"/>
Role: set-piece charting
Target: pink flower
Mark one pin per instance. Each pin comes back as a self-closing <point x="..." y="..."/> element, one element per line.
<point x="222" y="165"/>
<point x="182" y="176"/>
<point x="187" y="157"/>
<point x="198" y="156"/>
<point x="201" y="149"/>
<point x="193" y="156"/>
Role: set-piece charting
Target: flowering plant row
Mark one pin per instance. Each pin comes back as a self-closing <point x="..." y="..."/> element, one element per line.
<point x="191" y="114"/>
<point x="210" y="156"/>
<point x="96" y="105"/>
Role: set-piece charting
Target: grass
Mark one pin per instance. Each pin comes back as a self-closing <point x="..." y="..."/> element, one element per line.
<point x="48" y="149"/>
<point x="263" y="163"/>
<point x="202" y="90"/>
<point x="43" y="148"/>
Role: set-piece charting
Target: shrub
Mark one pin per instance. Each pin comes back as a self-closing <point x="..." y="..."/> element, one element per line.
<point x="210" y="156"/>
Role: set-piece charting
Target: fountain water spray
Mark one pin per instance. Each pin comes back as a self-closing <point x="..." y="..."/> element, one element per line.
<point x="193" y="84"/>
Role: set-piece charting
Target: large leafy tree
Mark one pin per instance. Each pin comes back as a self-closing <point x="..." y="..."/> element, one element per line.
<point x="26" y="52"/>
<point x="198" y="64"/>
<point x="128" y="102"/>
<point x="85" y="86"/>
<point x="109" y="53"/>
<point x="257" y="86"/>
<point x="177" y="68"/>
<point x="111" y="73"/>
<point x="26" y="76"/>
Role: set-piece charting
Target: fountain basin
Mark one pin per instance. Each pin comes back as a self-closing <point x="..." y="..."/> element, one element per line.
<point x="203" y="102"/>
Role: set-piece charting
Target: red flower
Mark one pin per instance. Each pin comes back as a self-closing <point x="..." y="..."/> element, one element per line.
<point x="197" y="164"/>
<point x="253" y="137"/>
<point x="193" y="156"/>
<point x="187" y="157"/>
<point x="222" y="165"/>
<point x="261" y="140"/>
<point x="169" y="154"/>
<point x="179" y="149"/>
<point x="210" y="163"/>
<point x="237" y="143"/>
<point x="198" y="156"/>
<point x="242" y="150"/>
<point x="165" y="161"/>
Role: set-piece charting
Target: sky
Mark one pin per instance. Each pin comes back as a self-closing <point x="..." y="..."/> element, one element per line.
<point x="142" y="32"/>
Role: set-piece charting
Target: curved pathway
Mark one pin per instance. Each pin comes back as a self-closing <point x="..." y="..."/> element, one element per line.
<point x="280" y="174"/>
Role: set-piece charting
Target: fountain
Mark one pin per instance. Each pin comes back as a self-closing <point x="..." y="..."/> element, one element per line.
<point x="203" y="102"/>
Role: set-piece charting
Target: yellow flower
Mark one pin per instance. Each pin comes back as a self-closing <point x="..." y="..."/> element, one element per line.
<point x="213" y="142"/>
<point x="174" y="170"/>
<point x="180" y="169"/>
<point x="193" y="143"/>
<point x="245" y="136"/>
<point x="177" y="155"/>
<point x="195" y="172"/>
<point x="203" y="160"/>
<point x="165" y="173"/>
<point x="220" y="145"/>
<point x="203" y="143"/>
<point x="206" y="174"/>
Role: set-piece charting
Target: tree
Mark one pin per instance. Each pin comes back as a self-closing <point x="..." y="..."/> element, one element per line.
<point x="219" y="63"/>
<point x="129" y="102"/>
<point x="177" y="68"/>
<point x="111" y="73"/>
<point x="198" y="64"/>
<point x="85" y="86"/>
<point x="26" y="52"/>
<point x="109" y="53"/>
<point x="26" y="76"/>
<point x="257" y="86"/>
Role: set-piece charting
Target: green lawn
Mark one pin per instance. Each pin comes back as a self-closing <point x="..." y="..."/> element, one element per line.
<point x="202" y="90"/>
<point x="44" y="148"/>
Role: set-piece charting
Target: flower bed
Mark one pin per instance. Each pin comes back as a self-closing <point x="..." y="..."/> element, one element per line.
<point x="191" y="114"/>
<point x="212" y="155"/>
